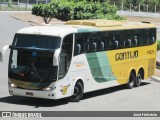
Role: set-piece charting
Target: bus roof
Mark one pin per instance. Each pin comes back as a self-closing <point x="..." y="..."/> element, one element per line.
<point x="76" y="26"/>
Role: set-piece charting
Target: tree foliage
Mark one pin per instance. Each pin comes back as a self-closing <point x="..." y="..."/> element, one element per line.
<point x="9" y="2"/>
<point x="75" y="9"/>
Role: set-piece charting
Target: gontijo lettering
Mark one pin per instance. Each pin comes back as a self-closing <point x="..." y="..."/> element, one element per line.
<point x="126" y="55"/>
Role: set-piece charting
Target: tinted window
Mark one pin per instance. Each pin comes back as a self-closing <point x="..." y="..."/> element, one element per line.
<point x="101" y="41"/>
<point x="152" y="36"/>
<point x="139" y="37"/>
<point x="128" y="39"/>
<point x="146" y="38"/>
<point x="94" y="40"/>
<point x="65" y="55"/>
<point x="81" y="43"/>
<point x="37" y="41"/>
<point x="117" y="42"/>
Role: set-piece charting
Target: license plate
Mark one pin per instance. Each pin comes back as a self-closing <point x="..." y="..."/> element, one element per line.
<point x="29" y="93"/>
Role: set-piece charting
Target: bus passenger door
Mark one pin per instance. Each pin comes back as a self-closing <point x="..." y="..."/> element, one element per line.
<point x="65" y="56"/>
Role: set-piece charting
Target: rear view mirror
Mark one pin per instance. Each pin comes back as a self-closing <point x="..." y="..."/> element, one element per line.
<point x="56" y="57"/>
<point x="2" y="52"/>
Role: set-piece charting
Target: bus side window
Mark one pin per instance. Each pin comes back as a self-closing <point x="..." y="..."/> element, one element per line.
<point x="135" y="41"/>
<point x="87" y="45"/>
<point x="106" y="41"/>
<point x="94" y="39"/>
<point x="77" y="49"/>
<point x="129" y="42"/>
<point x="79" y="43"/>
<point x="94" y="46"/>
<point x="102" y="42"/>
<point x="117" y="40"/>
<point x="152" y="40"/>
<point x="129" y="39"/>
<point x="65" y="55"/>
<point x="146" y="38"/>
<point x="138" y="37"/>
<point x="102" y="46"/>
<point x="152" y="35"/>
<point x="115" y="43"/>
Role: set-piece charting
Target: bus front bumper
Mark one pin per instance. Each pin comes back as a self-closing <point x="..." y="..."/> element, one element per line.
<point x="32" y="93"/>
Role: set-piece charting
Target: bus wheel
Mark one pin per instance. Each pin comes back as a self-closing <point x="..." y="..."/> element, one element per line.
<point x="138" y="80"/>
<point x="78" y="92"/>
<point x="131" y="82"/>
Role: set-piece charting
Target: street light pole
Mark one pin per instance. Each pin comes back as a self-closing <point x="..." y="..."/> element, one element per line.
<point x="18" y="4"/>
<point x="27" y="1"/>
<point x="0" y="4"/>
<point x="122" y="7"/>
<point x="147" y="7"/>
<point x="139" y="7"/>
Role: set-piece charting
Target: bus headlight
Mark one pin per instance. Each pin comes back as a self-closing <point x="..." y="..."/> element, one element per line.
<point x="13" y="85"/>
<point x="47" y="89"/>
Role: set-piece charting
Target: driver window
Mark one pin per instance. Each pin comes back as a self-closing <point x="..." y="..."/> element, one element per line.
<point x="66" y="55"/>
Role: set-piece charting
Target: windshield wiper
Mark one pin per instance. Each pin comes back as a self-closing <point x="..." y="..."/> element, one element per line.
<point x="32" y="65"/>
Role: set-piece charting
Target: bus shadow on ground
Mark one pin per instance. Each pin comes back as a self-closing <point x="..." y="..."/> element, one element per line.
<point x="38" y="102"/>
<point x="35" y="102"/>
<point x="108" y="91"/>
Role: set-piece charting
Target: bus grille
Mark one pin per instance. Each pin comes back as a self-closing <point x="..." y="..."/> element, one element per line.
<point x="151" y="65"/>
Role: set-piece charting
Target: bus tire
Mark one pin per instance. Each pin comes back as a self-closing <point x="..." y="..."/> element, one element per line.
<point x="131" y="81"/>
<point x="78" y="92"/>
<point x="138" y="80"/>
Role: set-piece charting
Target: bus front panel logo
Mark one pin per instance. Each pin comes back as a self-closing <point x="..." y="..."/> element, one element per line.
<point x="64" y="89"/>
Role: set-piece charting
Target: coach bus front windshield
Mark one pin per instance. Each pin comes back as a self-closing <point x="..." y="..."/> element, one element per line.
<point x="31" y="58"/>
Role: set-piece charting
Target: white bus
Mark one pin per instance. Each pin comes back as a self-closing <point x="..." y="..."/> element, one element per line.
<point x="60" y="61"/>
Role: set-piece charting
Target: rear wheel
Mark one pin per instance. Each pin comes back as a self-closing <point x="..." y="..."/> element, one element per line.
<point x="138" y="80"/>
<point x="78" y="92"/>
<point x="131" y="82"/>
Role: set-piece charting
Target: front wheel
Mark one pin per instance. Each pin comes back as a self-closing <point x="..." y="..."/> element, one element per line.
<point x="78" y="92"/>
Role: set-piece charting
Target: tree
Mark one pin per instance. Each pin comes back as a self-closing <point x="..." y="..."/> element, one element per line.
<point x="75" y="9"/>
<point x="43" y="10"/>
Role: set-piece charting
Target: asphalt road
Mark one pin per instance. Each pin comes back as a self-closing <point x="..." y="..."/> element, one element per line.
<point x="144" y="98"/>
<point x="8" y="27"/>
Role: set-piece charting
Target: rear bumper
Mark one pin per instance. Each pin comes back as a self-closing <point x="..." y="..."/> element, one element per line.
<point x="32" y="93"/>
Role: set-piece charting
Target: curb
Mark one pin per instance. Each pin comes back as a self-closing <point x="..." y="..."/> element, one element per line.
<point x="32" y="24"/>
<point x="155" y="78"/>
<point x="35" y="24"/>
<point x="53" y="23"/>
